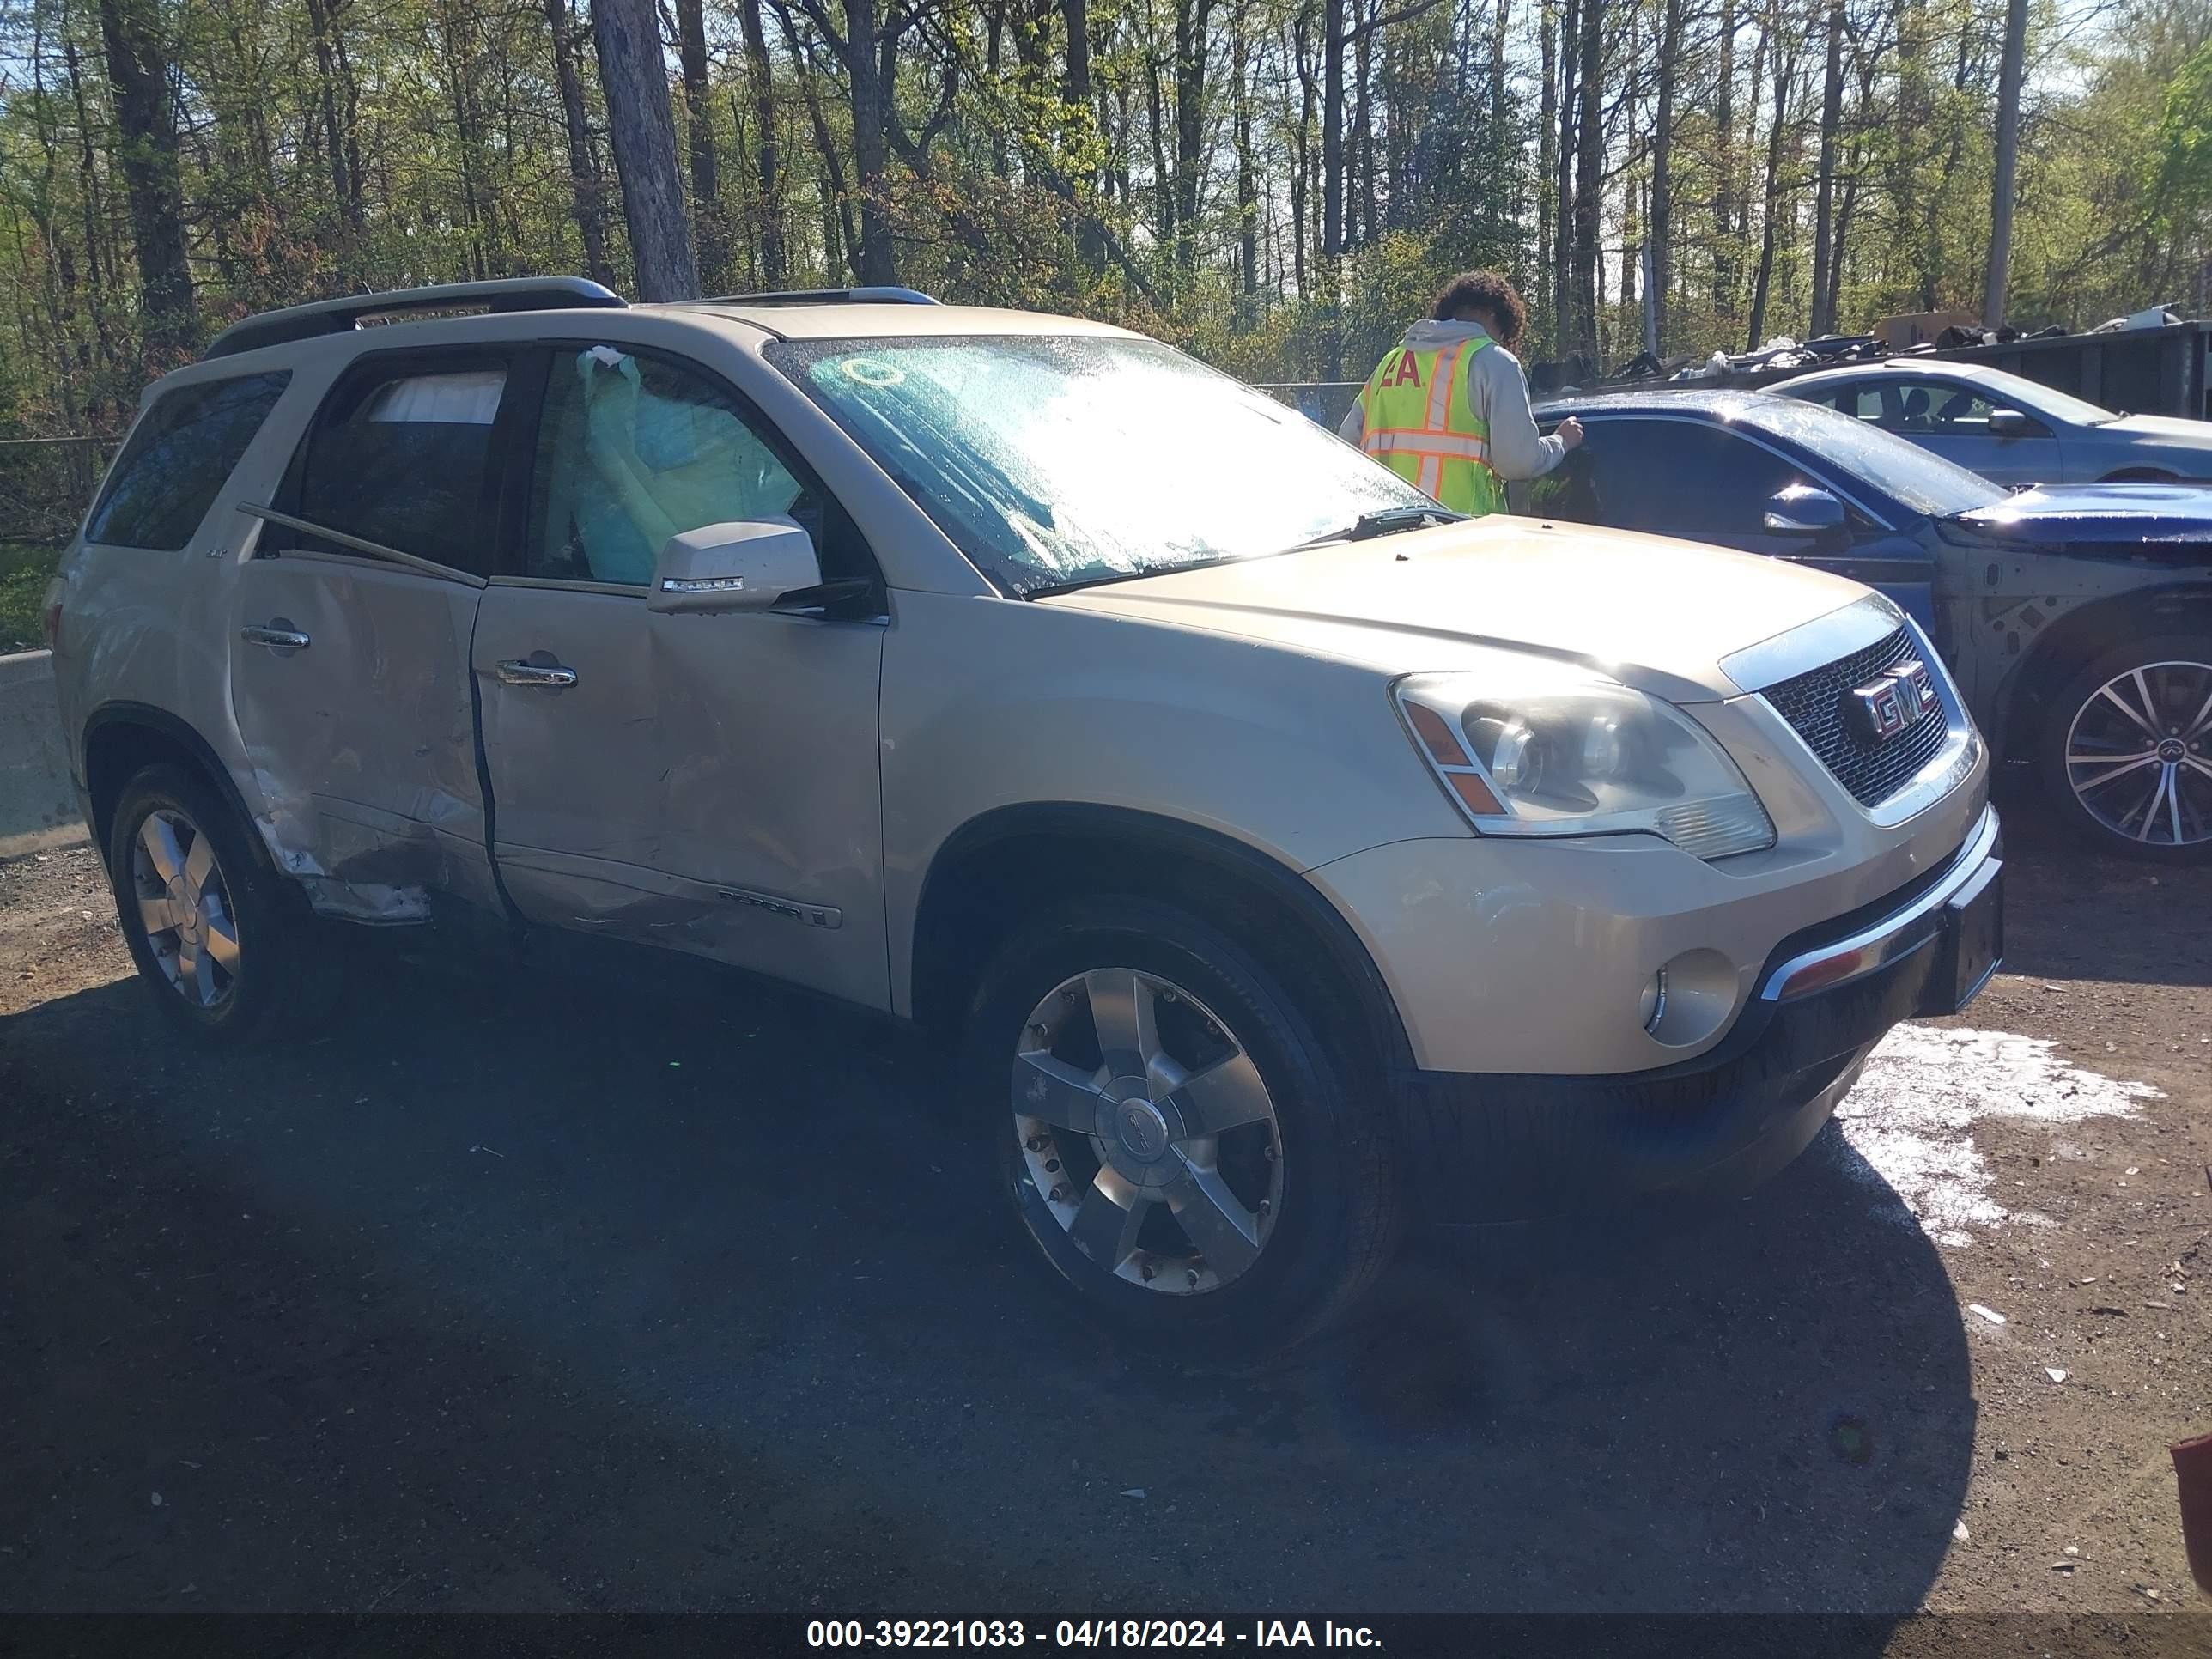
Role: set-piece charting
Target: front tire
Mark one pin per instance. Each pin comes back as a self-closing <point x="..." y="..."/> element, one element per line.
<point x="2126" y="753"/>
<point x="225" y="945"/>
<point x="1183" y="1148"/>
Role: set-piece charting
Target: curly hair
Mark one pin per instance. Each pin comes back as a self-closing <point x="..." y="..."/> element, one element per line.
<point x="1485" y="291"/>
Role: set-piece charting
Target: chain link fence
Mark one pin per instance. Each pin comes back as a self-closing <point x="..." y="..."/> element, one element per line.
<point x="45" y="484"/>
<point x="1326" y="402"/>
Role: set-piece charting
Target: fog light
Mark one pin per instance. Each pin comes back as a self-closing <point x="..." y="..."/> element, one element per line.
<point x="1690" y="998"/>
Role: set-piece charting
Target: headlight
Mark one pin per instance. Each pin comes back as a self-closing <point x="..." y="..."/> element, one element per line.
<point x="1550" y="752"/>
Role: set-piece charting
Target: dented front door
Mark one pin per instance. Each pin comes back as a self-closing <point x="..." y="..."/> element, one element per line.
<point x="704" y="783"/>
<point x="707" y="784"/>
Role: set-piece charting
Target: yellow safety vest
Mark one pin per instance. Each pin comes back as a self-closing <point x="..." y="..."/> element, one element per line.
<point x="1416" y="422"/>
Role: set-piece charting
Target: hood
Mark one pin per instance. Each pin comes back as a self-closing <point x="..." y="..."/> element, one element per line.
<point x="2146" y="516"/>
<point x="1656" y="614"/>
<point x="2163" y="428"/>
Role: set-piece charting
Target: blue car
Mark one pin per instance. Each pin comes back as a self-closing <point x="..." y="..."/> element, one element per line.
<point x="2077" y="619"/>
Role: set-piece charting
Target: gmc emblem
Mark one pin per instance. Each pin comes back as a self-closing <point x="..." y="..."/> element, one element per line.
<point x="1888" y="705"/>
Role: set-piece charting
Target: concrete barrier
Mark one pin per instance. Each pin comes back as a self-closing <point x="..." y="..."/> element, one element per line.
<point x="38" y="806"/>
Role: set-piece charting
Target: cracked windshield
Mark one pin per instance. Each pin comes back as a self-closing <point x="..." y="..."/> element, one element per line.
<point x="1052" y="461"/>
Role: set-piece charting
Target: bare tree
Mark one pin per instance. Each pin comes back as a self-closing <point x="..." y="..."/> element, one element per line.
<point x="2000" y="198"/>
<point x="642" y="127"/>
<point x="767" y="156"/>
<point x="139" y="66"/>
<point x="711" y="224"/>
<point x="1662" y="168"/>
<point x="586" y="187"/>
<point x="1823" y="320"/>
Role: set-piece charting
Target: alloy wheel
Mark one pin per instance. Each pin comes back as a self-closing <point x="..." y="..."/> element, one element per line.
<point x="2139" y="754"/>
<point x="1148" y="1131"/>
<point x="184" y="904"/>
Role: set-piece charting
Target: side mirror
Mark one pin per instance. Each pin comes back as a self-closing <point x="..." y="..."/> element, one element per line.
<point x="748" y="564"/>
<point x="2010" y="423"/>
<point x="1804" y="510"/>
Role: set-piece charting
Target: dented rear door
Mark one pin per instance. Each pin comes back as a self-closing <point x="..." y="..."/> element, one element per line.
<point x="350" y="632"/>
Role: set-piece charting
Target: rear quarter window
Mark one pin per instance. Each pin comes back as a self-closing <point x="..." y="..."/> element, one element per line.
<point x="179" y="455"/>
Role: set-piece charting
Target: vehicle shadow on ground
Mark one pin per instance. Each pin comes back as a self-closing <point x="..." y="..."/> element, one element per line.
<point x="2071" y="912"/>
<point x="658" y="1295"/>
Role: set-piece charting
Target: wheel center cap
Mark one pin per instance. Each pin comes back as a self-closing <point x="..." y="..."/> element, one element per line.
<point x="1142" y="1131"/>
<point x="2172" y="751"/>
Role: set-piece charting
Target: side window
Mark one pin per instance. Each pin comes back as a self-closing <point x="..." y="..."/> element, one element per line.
<point x="178" y="458"/>
<point x="1860" y="402"/>
<point x="1684" y="478"/>
<point x="634" y="448"/>
<point x="1922" y="407"/>
<point x="403" y="458"/>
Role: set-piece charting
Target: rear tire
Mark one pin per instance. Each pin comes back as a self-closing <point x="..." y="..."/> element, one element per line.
<point x="227" y="948"/>
<point x="1228" y="1246"/>
<point x="2126" y="750"/>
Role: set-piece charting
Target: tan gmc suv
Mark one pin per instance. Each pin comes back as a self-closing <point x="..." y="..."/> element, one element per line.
<point x="1290" y="862"/>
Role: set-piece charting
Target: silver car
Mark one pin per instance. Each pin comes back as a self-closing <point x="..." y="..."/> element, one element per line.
<point x="2011" y="429"/>
<point x="1283" y="860"/>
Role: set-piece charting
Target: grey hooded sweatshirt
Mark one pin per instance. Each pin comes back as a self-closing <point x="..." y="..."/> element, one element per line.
<point x="1497" y="395"/>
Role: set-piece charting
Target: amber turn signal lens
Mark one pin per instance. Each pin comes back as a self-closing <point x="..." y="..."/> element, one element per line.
<point x="1476" y="793"/>
<point x="1436" y="736"/>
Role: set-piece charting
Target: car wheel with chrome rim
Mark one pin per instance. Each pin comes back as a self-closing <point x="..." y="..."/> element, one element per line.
<point x="1176" y="1138"/>
<point x="2128" y="752"/>
<point x="227" y="949"/>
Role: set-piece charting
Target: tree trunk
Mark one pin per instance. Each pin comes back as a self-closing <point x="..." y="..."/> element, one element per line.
<point x="1247" y="184"/>
<point x="2001" y="196"/>
<point x="1363" y="142"/>
<point x="342" y="197"/>
<point x="1724" y="168"/>
<point x="1662" y="170"/>
<point x="707" y="215"/>
<point x="1302" y="151"/>
<point x="585" y="187"/>
<point x="1075" y="121"/>
<point x="1332" y="135"/>
<point x="1563" y="221"/>
<point x="1785" y="72"/>
<point x="1590" y="174"/>
<point x="138" y="64"/>
<point x="1832" y="116"/>
<point x="642" y="125"/>
<point x="878" y="260"/>
<point x="1499" y="148"/>
<point x="1191" y="19"/>
<point x="1547" y="139"/>
<point x="767" y="158"/>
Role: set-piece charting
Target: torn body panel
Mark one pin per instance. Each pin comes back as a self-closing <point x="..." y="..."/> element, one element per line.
<point x="362" y="739"/>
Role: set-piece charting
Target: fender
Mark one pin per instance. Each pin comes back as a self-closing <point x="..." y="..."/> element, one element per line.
<point x="1171" y="843"/>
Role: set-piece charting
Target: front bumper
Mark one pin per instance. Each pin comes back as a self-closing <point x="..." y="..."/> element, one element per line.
<point x="1484" y="1148"/>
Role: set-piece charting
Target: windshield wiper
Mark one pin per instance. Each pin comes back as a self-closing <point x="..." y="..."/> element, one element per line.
<point x="1103" y="578"/>
<point x="1385" y="522"/>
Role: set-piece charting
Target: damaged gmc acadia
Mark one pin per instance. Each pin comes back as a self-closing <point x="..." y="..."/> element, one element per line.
<point x="1287" y="862"/>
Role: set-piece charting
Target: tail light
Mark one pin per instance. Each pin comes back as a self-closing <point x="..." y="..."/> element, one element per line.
<point x="54" y="615"/>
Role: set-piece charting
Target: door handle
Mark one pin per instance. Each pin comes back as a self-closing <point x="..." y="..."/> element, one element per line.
<point x="275" y="638"/>
<point x="535" y="673"/>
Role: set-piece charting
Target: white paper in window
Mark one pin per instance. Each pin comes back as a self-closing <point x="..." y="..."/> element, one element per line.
<point x="469" y="399"/>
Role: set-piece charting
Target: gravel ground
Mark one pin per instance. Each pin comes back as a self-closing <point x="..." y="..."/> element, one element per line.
<point x="649" y="1289"/>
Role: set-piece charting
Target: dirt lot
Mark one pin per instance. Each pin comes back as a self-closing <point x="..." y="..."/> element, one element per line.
<point x="652" y="1289"/>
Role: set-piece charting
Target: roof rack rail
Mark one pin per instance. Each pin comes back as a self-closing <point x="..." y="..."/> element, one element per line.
<point x="827" y="296"/>
<point x="342" y="316"/>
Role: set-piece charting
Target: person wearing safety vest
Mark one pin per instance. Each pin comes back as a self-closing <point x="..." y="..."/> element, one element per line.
<point x="1447" y="409"/>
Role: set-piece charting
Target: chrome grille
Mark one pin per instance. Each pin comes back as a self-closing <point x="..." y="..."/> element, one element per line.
<point x="1872" y="770"/>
